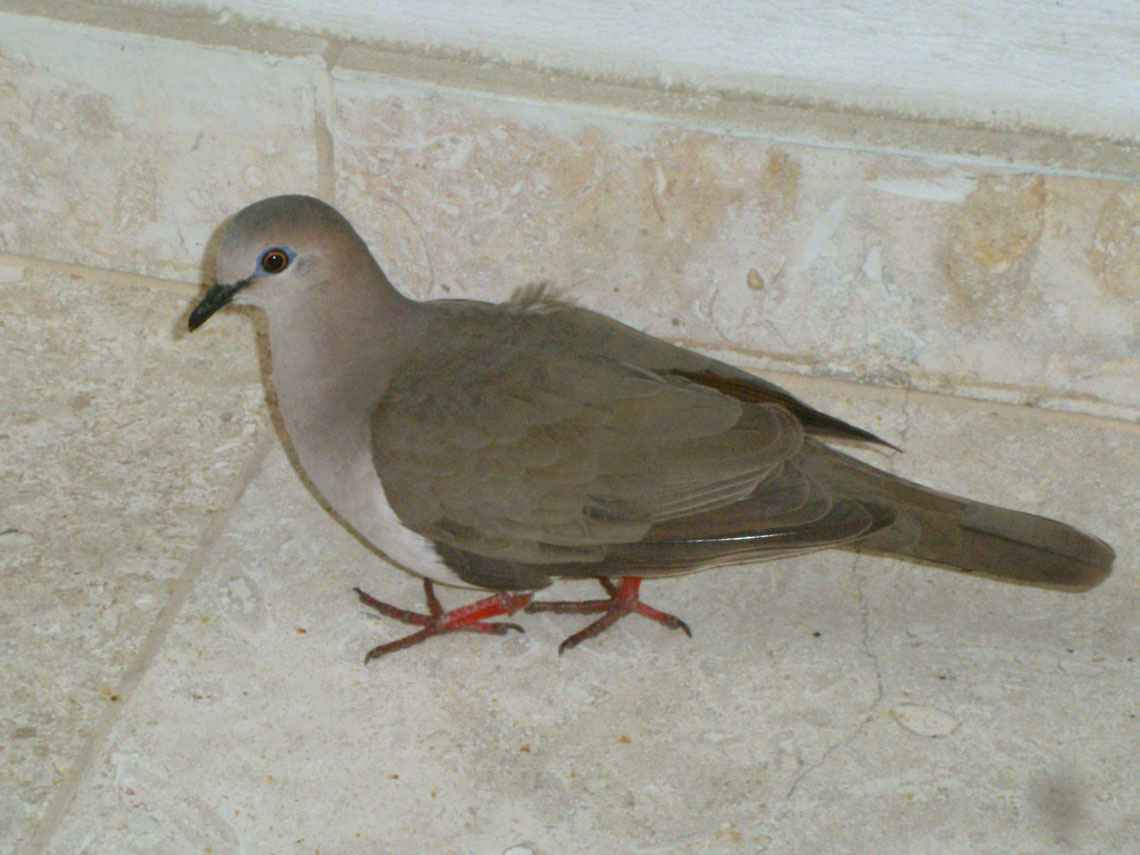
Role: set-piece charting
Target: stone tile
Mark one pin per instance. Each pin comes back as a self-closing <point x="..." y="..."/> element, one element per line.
<point x="125" y="151"/>
<point x="1007" y="716"/>
<point x="117" y="441"/>
<point x="897" y="269"/>
<point x="825" y="704"/>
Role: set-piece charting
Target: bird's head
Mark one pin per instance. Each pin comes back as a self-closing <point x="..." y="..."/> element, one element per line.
<point x="276" y="248"/>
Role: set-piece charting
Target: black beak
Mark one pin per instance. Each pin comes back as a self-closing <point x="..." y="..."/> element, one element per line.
<point x="215" y="298"/>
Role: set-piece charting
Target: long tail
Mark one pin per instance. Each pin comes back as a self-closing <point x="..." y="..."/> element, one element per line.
<point x="961" y="533"/>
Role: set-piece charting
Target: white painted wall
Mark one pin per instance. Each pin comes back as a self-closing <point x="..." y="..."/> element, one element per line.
<point x="1061" y="65"/>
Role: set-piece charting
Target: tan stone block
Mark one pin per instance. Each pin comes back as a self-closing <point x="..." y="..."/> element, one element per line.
<point x="884" y="267"/>
<point x="124" y="151"/>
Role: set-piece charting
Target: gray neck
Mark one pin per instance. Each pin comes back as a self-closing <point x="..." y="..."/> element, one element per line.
<point x="333" y="355"/>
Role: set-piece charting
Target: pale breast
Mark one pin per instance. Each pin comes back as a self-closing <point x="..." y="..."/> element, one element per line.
<point x="348" y="481"/>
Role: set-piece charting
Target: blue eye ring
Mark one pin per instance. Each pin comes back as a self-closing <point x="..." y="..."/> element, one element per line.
<point x="274" y="261"/>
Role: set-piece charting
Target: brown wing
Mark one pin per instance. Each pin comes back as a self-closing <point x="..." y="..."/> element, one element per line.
<point x="558" y="442"/>
<point x="515" y="443"/>
<point x="745" y="387"/>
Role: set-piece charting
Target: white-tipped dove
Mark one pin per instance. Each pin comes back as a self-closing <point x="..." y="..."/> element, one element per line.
<point x="500" y="446"/>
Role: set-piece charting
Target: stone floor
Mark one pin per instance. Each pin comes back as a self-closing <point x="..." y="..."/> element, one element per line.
<point x="181" y="647"/>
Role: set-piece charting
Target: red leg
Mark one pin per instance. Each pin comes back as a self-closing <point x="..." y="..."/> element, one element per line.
<point x="623" y="601"/>
<point x="470" y="618"/>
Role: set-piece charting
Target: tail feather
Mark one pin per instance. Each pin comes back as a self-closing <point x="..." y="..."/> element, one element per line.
<point x="960" y="533"/>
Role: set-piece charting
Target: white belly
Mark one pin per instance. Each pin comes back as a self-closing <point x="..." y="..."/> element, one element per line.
<point x="349" y="484"/>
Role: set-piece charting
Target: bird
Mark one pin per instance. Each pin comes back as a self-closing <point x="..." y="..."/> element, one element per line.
<point x="503" y="446"/>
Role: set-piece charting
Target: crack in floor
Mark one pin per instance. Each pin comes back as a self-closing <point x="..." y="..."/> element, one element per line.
<point x="872" y="707"/>
<point x="868" y="650"/>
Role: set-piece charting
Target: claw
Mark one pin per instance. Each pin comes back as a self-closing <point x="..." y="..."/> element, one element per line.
<point x="623" y="601"/>
<point x="472" y="617"/>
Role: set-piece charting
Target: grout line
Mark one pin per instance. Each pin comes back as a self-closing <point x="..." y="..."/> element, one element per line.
<point x="323" y="115"/>
<point x="114" y="277"/>
<point x="1035" y="397"/>
<point x="218" y="522"/>
<point x="764" y="362"/>
<point x="764" y="119"/>
<point x="756" y="115"/>
<point x="911" y="395"/>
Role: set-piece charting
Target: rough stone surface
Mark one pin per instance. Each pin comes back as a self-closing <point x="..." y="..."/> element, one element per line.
<point x="900" y="270"/>
<point x="125" y="152"/>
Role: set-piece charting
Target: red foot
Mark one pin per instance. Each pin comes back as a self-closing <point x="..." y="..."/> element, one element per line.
<point x="469" y="618"/>
<point x="623" y="601"/>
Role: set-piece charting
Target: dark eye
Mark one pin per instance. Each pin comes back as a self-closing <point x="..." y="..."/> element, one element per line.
<point x="274" y="260"/>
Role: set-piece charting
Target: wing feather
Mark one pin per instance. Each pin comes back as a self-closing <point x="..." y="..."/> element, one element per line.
<point x="558" y="442"/>
<point x="520" y="447"/>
